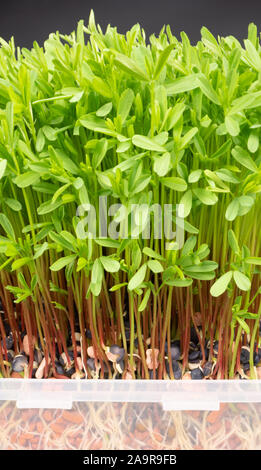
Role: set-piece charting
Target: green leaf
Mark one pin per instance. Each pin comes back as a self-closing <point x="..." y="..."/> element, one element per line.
<point x="25" y="150"/>
<point x="136" y="256"/>
<point x="62" y="241"/>
<point x="109" y="243"/>
<point x="227" y="175"/>
<point x="253" y="260"/>
<point x="252" y="33"/>
<point x="48" y="206"/>
<point x="203" y="251"/>
<point x="152" y="254"/>
<point x="174" y="115"/>
<point x="65" y="162"/>
<point x="118" y="286"/>
<point x="161" y="164"/>
<point x="194" y="176"/>
<point x="42" y="234"/>
<point x="169" y="275"/>
<point x="162" y="59"/>
<point x="26" y="179"/>
<point x="104" y="110"/>
<point x="124" y="147"/>
<point x="138" y="278"/>
<point x="182" y="170"/>
<point x="204" y="267"/>
<point x="232" y="210"/>
<point x="221" y="284"/>
<point x="59" y="191"/>
<point x="104" y="180"/>
<point x="246" y="201"/>
<point x="81" y="263"/>
<point x="96" y="278"/>
<point x="39" y="251"/>
<point x="40" y="141"/>
<point x="83" y="195"/>
<point x="146" y="143"/>
<point x="209" y="40"/>
<point x="69" y="237"/>
<point x="9" y="114"/>
<point x="247" y="101"/>
<point x="125" y="104"/>
<point x="109" y="264"/>
<point x="244" y="325"/>
<point x="243" y="157"/>
<point x="129" y="66"/>
<point x="207" y="88"/>
<point x="20" y="262"/>
<point x="49" y="133"/>
<point x="205" y="196"/>
<point x="253" y="142"/>
<point x="62" y="262"/>
<point x="223" y="149"/>
<point x="175" y="183"/>
<point x="3" y="164"/>
<point x="233" y="242"/>
<point x="101" y="87"/>
<point x="13" y="204"/>
<point x="232" y="126"/>
<point x="202" y="276"/>
<point x="211" y="175"/>
<point x="141" y="184"/>
<point x="22" y="281"/>
<point x="187" y="226"/>
<point x="145" y="300"/>
<point x="94" y="123"/>
<point x="100" y="152"/>
<point x="181" y="282"/>
<point x="161" y="138"/>
<point x="97" y="271"/>
<point x="252" y="55"/>
<point x="59" y="306"/>
<point x="6" y="224"/>
<point x="189" y="245"/>
<point x="30" y="228"/>
<point x="186" y="200"/>
<point x="200" y="145"/>
<point x="155" y="266"/>
<point x="242" y="281"/>
<point x="182" y="84"/>
<point x="185" y="140"/>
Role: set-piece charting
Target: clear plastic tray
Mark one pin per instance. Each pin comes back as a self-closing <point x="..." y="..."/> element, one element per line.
<point x="104" y="414"/>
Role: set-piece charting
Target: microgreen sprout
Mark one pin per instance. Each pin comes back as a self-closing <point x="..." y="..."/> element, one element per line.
<point x="141" y="122"/>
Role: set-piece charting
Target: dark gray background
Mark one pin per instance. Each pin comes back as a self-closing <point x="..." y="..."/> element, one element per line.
<point x="29" y="20"/>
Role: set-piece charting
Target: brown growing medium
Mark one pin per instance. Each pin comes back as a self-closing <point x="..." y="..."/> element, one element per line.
<point x="130" y="426"/>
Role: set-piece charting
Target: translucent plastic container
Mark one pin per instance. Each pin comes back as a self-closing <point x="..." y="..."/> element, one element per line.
<point x="105" y="414"/>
